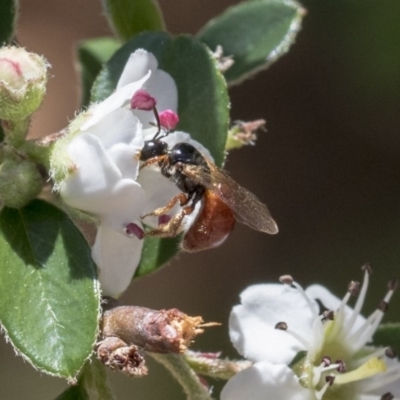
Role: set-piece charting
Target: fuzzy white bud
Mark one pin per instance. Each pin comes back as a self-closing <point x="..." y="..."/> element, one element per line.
<point x="23" y="78"/>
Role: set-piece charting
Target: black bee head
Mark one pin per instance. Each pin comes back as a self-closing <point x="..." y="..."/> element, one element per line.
<point x="153" y="148"/>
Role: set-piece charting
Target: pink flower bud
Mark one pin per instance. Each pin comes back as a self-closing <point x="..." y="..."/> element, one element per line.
<point x="142" y="100"/>
<point x="23" y="78"/>
<point x="169" y="119"/>
<point x="134" y="230"/>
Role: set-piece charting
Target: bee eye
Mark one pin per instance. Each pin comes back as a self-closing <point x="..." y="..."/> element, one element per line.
<point x="153" y="148"/>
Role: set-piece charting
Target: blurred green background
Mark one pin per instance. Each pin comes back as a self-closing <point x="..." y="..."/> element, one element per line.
<point x="328" y="167"/>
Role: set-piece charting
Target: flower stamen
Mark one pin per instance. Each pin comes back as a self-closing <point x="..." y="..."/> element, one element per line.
<point x="325" y="366"/>
<point x="368" y="328"/>
<point x="282" y="326"/>
<point x="341" y="366"/>
<point x="384" y="351"/>
<point x="329" y="382"/>
<point x="360" y="300"/>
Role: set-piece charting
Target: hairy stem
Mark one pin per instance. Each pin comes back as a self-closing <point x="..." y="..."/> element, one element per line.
<point x="95" y="381"/>
<point x="180" y="370"/>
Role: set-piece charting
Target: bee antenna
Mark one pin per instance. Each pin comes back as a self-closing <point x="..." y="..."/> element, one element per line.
<point x="165" y="132"/>
<point x="158" y="122"/>
<point x="158" y="125"/>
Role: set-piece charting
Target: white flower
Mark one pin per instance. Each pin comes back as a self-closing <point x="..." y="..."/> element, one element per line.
<point x="299" y="354"/>
<point x="96" y="168"/>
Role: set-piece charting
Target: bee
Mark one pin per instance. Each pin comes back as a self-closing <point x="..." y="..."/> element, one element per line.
<point x="223" y="201"/>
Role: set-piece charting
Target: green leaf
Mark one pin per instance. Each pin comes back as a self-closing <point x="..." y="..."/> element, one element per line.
<point x="49" y="306"/>
<point x="8" y="18"/>
<point x="203" y="106"/>
<point x="92" y="385"/>
<point x="130" y="17"/>
<point x="255" y="33"/>
<point x="92" y="54"/>
<point x="156" y="252"/>
<point x="77" y="392"/>
<point x="388" y="335"/>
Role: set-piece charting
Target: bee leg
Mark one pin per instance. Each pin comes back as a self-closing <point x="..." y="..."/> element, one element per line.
<point x="173" y="227"/>
<point x="181" y="197"/>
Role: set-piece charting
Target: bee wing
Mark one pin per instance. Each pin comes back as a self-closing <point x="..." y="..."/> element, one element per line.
<point x="245" y="205"/>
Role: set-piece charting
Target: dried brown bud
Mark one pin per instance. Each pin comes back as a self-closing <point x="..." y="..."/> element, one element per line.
<point x="243" y="133"/>
<point x="164" y="331"/>
<point x="117" y="355"/>
<point x="247" y="130"/>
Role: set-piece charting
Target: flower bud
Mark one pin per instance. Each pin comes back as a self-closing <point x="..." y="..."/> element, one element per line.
<point x="23" y="80"/>
<point x="142" y="100"/>
<point x="20" y="182"/>
<point x="158" y="331"/>
<point x="169" y="119"/>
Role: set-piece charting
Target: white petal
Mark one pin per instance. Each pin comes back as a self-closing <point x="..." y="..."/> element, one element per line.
<point x="252" y="324"/>
<point x="162" y="87"/>
<point x="95" y="174"/>
<point x="265" y="381"/>
<point x="332" y="302"/>
<point x="159" y="191"/>
<point x="97" y="185"/>
<point x="125" y="204"/>
<point x="137" y="66"/>
<point x="120" y="133"/>
<point x="119" y="126"/>
<point x="122" y="96"/>
<point x="125" y="158"/>
<point x="117" y="257"/>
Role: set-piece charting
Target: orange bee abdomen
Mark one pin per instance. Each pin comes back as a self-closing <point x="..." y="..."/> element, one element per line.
<point x="211" y="227"/>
